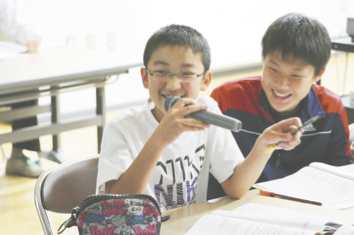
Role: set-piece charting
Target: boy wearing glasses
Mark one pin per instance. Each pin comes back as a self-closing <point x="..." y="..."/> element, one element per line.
<point x="164" y="154"/>
<point x="295" y="51"/>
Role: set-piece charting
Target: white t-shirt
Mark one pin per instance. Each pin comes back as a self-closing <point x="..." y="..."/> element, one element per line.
<point x="181" y="175"/>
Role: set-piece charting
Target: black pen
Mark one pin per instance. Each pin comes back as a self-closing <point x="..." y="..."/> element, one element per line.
<point x="271" y="147"/>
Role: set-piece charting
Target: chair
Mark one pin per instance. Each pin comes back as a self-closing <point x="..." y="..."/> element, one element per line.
<point x="63" y="187"/>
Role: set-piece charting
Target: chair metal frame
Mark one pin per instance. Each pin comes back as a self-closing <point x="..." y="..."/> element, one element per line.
<point x="57" y="178"/>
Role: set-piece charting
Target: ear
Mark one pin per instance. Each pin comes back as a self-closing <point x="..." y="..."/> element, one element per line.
<point x="206" y="81"/>
<point x="318" y="77"/>
<point x="144" y="78"/>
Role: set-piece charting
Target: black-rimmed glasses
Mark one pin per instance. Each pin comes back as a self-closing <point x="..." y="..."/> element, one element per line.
<point x="163" y="76"/>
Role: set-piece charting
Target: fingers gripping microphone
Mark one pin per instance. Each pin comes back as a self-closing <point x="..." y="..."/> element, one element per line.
<point x="207" y="116"/>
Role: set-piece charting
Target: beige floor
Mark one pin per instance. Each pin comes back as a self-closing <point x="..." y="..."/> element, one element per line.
<point x="17" y="212"/>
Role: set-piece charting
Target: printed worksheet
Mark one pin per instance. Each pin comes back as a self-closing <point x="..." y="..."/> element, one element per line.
<point x="332" y="186"/>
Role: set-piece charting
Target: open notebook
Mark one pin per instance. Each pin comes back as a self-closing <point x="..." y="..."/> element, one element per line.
<point x="258" y="219"/>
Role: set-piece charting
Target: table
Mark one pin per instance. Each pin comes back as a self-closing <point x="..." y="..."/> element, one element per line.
<point x="182" y="219"/>
<point x="342" y="44"/>
<point x="51" y="72"/>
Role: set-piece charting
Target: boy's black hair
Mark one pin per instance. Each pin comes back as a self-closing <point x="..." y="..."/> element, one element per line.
<point x="178" y="35"/>
<point x="304" y="38"/>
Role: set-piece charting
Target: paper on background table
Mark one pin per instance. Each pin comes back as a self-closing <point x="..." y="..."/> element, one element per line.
<point x="12" y="47"/>
<point x="10" y="50"/>
<point x="8" y="55"/>
<point x="317" y="185"/>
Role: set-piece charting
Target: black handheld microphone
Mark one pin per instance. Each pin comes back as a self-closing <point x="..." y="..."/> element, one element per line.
<point x="207" y="116"/>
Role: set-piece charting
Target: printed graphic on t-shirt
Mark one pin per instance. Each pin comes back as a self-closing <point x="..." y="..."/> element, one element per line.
<point x="189" y="168"/>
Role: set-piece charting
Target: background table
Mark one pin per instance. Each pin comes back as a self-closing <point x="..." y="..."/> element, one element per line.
<point x="342" y="44"/>
<point x="50" y="72"/>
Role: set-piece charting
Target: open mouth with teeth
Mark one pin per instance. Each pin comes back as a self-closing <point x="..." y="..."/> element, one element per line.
<point x="280" y="95"/>
<point x="165" y="96"/>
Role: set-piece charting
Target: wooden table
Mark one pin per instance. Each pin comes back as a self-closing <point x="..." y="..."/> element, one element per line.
<point x="182" y="219"/>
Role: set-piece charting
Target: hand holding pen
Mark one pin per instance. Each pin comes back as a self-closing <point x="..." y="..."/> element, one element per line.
<point x="271" y="147"/>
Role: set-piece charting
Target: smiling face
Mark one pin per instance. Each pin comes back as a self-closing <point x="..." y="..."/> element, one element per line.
<point x="287" y="82"/>
<point x="174" y="59"/>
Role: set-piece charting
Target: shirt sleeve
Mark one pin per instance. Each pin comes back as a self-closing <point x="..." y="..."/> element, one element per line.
<point x="13" y="24"/>
<point x="115" y="156"/>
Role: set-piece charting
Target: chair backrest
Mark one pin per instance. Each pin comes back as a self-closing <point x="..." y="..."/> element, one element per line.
<point x="61" y="188"/>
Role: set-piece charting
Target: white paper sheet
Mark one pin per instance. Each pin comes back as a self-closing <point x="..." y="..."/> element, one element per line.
<point x="315" y="185"/>
<point x="346" y="171"/>
<point x="258" y="219"/>
<point x="219" y="225"/>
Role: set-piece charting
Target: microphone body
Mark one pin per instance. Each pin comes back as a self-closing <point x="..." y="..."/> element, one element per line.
<point x="207" y="116"/>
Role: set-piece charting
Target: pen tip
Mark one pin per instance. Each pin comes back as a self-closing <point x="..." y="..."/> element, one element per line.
<point x="264" y="193"/>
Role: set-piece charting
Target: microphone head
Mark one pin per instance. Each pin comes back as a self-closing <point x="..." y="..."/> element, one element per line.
<point x="237" y="126"/>
<point x="170" y="101"/>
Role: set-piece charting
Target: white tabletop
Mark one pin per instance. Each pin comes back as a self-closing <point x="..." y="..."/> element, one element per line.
<point x="60" y="65"/>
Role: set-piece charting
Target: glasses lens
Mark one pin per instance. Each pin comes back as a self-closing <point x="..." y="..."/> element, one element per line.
<point x="161" y="76"/>
<point x="188" y="77"/>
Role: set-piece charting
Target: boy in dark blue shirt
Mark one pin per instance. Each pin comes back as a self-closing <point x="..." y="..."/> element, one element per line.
<point x="295" y="51"/>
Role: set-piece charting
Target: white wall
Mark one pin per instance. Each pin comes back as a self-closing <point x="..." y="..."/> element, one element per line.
<point x="233" y="28"/>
